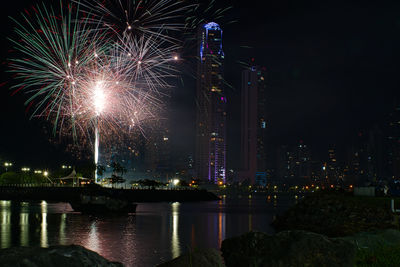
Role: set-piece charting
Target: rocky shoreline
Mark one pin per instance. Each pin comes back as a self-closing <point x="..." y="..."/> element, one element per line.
<point x="71" y="256"/>
<point x="338" y="215"/>
<point x="321" y="230"/>
<point x="298" y="248"/>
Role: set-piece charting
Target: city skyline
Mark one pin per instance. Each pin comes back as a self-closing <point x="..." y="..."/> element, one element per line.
<point x="303" y="104"/>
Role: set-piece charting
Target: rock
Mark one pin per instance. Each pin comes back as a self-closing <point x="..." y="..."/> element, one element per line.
<point x="337" y="215"/>
<point x="197" y="258"/>
<point x="374" y="240"/>
<point x="59" y="256"/>
<point x="287" y="248"/>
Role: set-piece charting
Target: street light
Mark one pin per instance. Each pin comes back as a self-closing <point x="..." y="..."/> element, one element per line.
<point x="7" y="164"/>
<point x="24" y="169"/>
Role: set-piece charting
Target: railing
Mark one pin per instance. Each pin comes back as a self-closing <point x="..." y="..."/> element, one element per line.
<point x="392" y="207"/>
<point x="127" y="187"/>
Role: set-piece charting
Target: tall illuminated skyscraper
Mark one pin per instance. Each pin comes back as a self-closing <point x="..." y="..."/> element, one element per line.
<point x="211" y="106"/>
<point x="253" y="123"/>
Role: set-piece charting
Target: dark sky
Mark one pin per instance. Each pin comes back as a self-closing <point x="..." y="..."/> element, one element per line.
<point x="333" y="68"/>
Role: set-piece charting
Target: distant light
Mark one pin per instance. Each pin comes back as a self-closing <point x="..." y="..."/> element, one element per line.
<point x="212" y="26"/>
<point x="175" y="182"/>
<point x="165" y="138"/>
<point x="176" y="57"/>
<point x="129" y="27"/>
<point x="46" y="173"/>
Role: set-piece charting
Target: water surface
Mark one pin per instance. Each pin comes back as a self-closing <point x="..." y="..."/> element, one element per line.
<point x="156" y="233"/>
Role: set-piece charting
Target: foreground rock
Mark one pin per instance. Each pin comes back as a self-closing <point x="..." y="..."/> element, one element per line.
<point x="374" y="240"/>
<point x="337" y="215"/>
<point x="59" y="256"/>
<point x="287" y="248"/>
<point x="197" y="258"/>
<point x="298" y="248"/>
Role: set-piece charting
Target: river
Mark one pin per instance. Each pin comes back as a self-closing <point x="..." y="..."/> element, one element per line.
<point x="156" y="233"/>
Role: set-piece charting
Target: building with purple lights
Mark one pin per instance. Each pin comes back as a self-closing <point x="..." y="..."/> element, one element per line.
<point x="211" y="106"/>
<point x="253" y="124"/>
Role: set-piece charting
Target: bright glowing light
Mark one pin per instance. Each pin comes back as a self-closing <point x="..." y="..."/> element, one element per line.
<point x="99" y="98"/>
<point x="176" y="57"/>
<point x="46" y="173"/>
<point x="175" y="182"/>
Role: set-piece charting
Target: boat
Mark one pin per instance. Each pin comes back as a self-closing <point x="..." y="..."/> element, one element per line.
<point x="102" y="204"/>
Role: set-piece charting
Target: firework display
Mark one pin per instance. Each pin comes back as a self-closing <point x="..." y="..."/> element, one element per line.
<point x="89" y="77"/>
<point x="99" y="68"/>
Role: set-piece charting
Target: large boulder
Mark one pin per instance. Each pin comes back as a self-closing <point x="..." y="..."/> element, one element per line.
<point x="287" y="248"/>
<point x="197" y="258"/>
<point x="376" y="239"/>
<point x="60" y="256"/>
<point x="337" y="215"/>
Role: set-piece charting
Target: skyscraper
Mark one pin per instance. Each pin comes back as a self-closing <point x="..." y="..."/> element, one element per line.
<point x="211" y="106"/>
<point x="253" y="123"/>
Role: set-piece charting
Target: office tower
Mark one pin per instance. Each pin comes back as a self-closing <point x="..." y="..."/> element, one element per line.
<point x="211" y="106"/>
<point x="157" y="153"/>
<point x="253" y="123"/>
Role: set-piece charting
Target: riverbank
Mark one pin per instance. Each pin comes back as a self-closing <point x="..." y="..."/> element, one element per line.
<point x="66" y="194"/>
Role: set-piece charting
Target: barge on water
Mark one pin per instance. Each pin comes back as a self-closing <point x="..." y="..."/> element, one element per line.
<point x="102" y="204"/>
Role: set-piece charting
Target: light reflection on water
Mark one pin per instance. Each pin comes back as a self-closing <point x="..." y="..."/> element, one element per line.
<point x="157" y="232"/>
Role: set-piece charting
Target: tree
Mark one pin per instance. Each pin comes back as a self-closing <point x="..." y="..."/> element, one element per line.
<point x="149" y="183"/>
<point x="117" y="169"/>
<point x="100" y="169"/>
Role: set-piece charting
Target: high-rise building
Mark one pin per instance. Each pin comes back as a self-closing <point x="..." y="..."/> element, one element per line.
<point x="157" y="153"/>
<point x="211" y="106"/>
<point x="253" y="123"/>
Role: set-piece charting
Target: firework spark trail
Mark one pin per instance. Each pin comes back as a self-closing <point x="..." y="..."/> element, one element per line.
<point x="65" y="56"/>
<point x="54" y="51"/>
<point x="146" y="18"/>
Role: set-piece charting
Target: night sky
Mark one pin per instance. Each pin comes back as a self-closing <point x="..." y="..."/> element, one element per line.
<point x="333" y="69"/>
